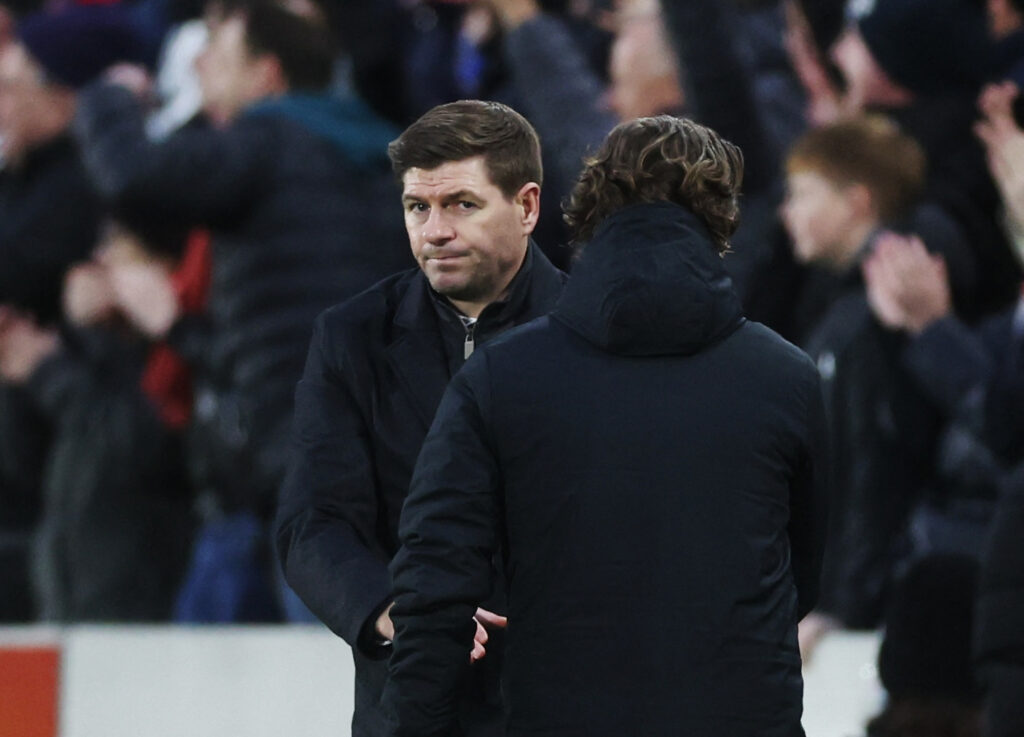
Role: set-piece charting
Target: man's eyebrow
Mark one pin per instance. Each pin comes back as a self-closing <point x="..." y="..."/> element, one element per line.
<point x="462" y="194"/>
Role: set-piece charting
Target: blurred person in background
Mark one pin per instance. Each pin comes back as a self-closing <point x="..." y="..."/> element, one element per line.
<point x="116" y="526"/>
<point x="848" y="183"/>
<point x="922" y="62"/>
<point x="648" y="468"/>
<point x="671" y="58"/>
<point x="49" y="218"/>
<point x="289" y="181"/>
<point x="976" y="374"/>
<point x="377" y="367"/>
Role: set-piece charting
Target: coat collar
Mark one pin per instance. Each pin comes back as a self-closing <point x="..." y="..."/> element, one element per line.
<point x="416" y="353"/>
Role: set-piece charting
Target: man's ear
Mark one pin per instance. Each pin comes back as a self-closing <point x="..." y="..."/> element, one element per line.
<point x="863" y="200"/>
<point x="267" y="77"/>
<point x="528" y="198"/>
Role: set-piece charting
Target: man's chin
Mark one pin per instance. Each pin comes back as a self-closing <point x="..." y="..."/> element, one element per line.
<point x="459" y="292"/>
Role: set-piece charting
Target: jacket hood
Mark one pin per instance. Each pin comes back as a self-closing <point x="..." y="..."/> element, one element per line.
<point x="650" y="283"/>
<point x="346" y="122"/>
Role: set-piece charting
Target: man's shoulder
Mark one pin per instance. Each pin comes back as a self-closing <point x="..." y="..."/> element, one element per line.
<point x="375" y="305"/>
<point x="769" y="346"/>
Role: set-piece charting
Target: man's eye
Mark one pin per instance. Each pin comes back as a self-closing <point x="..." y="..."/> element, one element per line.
<point x="467" y="205"/>
<point x="417" y="207"/>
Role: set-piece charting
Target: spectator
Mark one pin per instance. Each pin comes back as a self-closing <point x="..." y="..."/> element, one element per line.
<point x="49" y="217"/>
<point x="289" y="183"/>
<point x="972" y="374"/>
<point x="848" y="181"/>
<point x="114" y="536"/>
<point x="977" y="376"/>
<point x="922" y="62"/>
<point x="378" y="366"/>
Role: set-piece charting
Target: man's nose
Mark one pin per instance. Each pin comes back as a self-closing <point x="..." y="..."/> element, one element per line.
<point x="438" y="228"/>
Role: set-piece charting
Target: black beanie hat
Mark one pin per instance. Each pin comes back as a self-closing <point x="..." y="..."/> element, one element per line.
<point x="927" y="46"/>
<point x="76" y="44"/>
<point x="926" y="650"/>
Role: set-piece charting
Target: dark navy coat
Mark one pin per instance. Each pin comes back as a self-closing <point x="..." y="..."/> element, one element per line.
<point x="650" y="466"/>
<point x="376" y="371"/>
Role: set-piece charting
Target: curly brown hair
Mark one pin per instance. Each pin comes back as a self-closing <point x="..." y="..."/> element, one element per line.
<point x="660" y="159"/>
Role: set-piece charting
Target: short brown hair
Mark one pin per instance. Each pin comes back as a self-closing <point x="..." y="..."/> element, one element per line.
<point x="657" y="159"/>
<point x="461" y="130"/>
<point x="868" y="150"/>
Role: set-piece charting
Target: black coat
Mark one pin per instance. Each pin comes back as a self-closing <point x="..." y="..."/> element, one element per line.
<point x="296" y="193"/>
<point x="650" y="464"/>
<point x="882" y="434"/>
<point x="377" y="367"/>
<point x="999" y="615"/>
<point x="115" y="533"/>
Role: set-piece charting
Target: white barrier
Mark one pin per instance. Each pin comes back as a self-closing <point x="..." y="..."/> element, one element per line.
<point x="297" y="681"/>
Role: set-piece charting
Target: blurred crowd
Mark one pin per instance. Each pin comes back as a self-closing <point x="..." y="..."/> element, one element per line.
<point x="186" y="185"/>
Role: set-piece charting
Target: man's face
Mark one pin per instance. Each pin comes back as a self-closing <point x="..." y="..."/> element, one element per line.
<point x="31" y="111"/>
<point x="468" y="238"/>
<point x="642" y="69"/>
<point x="225" y="69"/>
<point x="817" y="215"/>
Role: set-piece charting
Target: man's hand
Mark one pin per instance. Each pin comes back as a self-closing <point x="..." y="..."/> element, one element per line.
<point x="812" y="630"/>
<point x="88" y="294"/>
<point x="145" y="295"/>
<point x="907" y="287"/>
<point x="384" y="626"/>
<point x="23" y="346"/>
<point x="512" y="13"/>
<point x="133" y="77"/>
<point x="484" y="620"/>
<point x="1004" y="146"/>
<point x="824" y="104"/>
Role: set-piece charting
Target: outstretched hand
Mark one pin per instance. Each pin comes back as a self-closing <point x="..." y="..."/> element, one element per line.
<point x="485" y="620"/>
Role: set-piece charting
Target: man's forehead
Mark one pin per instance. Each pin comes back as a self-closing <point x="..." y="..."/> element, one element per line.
<point x="450" y="177"/>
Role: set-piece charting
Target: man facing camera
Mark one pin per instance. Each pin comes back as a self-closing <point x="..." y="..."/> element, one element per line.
<point x="647" y="465"/>
<point x="377" y="368"/>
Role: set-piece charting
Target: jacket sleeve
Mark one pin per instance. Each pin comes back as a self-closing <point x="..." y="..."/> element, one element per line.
<point x="197" y="175"/>
<point x="449" y="533"/>
<point x="949" y="361"/>
<point x="327" y="517"/>
<point x="808" y="501"/>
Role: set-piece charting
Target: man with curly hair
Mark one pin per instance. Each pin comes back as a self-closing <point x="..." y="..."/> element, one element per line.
<point x="646" y="465"/>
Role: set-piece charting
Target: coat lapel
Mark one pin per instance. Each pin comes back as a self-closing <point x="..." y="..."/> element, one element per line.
<point x="416" y="354"/>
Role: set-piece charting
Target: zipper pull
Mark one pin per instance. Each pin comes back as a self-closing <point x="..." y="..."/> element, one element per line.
<point x="469" y="345"/>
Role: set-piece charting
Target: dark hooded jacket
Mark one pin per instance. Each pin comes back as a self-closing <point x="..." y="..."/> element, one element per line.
<point x="294" y="193"/>
<point x="649" y="465"/>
